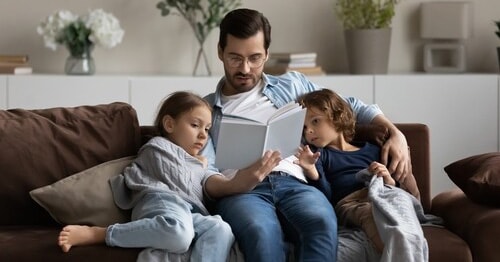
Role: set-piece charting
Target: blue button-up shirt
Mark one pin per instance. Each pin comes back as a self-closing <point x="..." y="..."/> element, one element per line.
<point x="280" y="90"/>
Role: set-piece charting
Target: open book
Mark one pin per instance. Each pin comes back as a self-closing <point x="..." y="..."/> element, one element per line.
<point x="242" y="141"/>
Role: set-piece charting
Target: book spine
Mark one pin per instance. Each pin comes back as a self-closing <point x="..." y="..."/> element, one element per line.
<point x="20" y="59"/>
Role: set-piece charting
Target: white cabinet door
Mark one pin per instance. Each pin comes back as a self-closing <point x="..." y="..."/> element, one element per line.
<point x="3" y="92"/>
<point x="148" y="92"/>
<point x="45" y="91"/>
<point x="359" y="86"/>
<point x="460" y="110"/>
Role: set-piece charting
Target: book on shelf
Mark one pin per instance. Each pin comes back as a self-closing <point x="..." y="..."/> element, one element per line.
<point x="290" y="57"/>
<point x="292" y="60"/>
<point x="15" y="68"/>
<point x="279" y="70"/>
<point x="242" y="141"/>
<point x="21" y="59"/>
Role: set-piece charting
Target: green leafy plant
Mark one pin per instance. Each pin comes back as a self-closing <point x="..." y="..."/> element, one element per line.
<point x="497" y="23"/>
<point x="202" y="15"/>
<point x="365" y="14"/>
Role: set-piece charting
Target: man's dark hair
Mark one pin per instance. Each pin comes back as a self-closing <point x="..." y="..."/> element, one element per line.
<point x="243" y="23"/>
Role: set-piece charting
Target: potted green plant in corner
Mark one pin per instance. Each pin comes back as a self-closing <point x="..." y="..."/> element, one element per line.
<point x="497" y="32"/>
<point x="202" y="16"/>
<point x="367" y="33"/>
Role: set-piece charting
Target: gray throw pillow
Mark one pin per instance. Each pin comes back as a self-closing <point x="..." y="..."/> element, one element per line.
<point x="85" y="197"/>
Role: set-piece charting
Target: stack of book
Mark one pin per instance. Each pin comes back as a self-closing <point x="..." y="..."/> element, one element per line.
<point x="303" y="62"/>
<point x="15" y="64"/>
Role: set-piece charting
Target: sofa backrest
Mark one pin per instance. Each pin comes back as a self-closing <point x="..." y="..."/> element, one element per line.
<point x="40" y="147"/>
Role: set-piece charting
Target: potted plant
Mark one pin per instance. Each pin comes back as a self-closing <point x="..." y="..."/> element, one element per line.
<point x="367" y="32"/>
<point x="202" y="17"/>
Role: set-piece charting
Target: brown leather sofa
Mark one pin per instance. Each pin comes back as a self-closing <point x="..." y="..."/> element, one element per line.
<point x="40" y="147"/>
<point x="473" y="210"/>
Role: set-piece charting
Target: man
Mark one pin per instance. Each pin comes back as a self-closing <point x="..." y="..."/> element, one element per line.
<point x="275" y="206"/>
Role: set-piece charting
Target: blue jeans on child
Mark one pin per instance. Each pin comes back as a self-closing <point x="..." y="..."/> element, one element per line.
<point x="166" y="222"/>
<point x="282" y="208"/>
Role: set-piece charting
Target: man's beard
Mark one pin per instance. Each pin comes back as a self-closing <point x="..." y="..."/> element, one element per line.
<point x="239" y="87"/>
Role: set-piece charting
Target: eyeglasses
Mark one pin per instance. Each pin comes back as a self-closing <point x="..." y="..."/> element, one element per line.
<point x="253" y="61"/>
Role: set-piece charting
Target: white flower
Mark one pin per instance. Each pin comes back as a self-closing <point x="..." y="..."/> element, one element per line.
<point x="64" y="28"/>
<point x="105" y="28"/>
<point x="53" y="25"/>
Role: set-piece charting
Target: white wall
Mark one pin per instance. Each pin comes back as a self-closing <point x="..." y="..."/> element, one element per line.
<point x="165" y="45"/>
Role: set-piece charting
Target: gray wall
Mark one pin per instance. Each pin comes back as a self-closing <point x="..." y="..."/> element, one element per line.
<point x="165" y="45"/>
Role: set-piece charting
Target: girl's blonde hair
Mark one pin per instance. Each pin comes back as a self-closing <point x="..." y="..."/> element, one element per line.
<point x="333" y="106"/>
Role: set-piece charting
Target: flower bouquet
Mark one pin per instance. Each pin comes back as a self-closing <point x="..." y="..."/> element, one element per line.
<point x="79" y="35"/>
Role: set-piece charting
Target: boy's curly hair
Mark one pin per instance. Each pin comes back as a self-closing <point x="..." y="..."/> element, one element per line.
<point x="335" y="107"/>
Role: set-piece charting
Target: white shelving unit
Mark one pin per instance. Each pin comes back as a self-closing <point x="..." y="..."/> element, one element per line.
<point x="44" y="91"/>
<point x="460" y="110"/>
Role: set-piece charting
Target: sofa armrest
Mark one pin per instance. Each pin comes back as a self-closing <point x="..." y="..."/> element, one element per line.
<point x="477" y="224"/>
<point x="417" y="136"/>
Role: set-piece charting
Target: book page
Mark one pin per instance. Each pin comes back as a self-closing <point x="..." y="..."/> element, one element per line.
<point x="241" y="141"/>
<point x="239" y="145"/>
<point x="284" y="111"/>
<point x="240" y="120"/>
<point x="285" y="133"/>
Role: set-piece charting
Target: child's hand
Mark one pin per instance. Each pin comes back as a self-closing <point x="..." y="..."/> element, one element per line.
<point x="203" y="160"/>
<point x="306" y="159"/>
<point x="380" y="170"/>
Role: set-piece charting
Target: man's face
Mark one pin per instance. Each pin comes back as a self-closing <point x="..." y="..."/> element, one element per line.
<point x="243" y="63"/>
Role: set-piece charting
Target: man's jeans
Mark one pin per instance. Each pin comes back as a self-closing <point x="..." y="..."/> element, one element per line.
<point x="282" y="208"/>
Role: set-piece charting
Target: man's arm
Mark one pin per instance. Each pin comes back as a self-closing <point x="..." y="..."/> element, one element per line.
<point x="396" y="147"/>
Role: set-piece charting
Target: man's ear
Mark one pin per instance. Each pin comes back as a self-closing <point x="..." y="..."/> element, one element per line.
<point x="220" y="52"/>
<point x="168" y="124"/>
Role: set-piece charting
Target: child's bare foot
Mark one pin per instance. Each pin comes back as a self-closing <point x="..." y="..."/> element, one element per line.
<point x="75" y="235"/>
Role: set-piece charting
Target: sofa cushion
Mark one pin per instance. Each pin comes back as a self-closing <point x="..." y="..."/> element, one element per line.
<point x="478" y="176"/>
<point x="375" y="134"/>
<point x="84" y="198"/>
<point x="40" y="147"/>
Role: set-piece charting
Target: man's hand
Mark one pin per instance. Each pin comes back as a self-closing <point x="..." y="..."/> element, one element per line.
<point x="246" y="179"/>
<point x="397" y="149"/>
